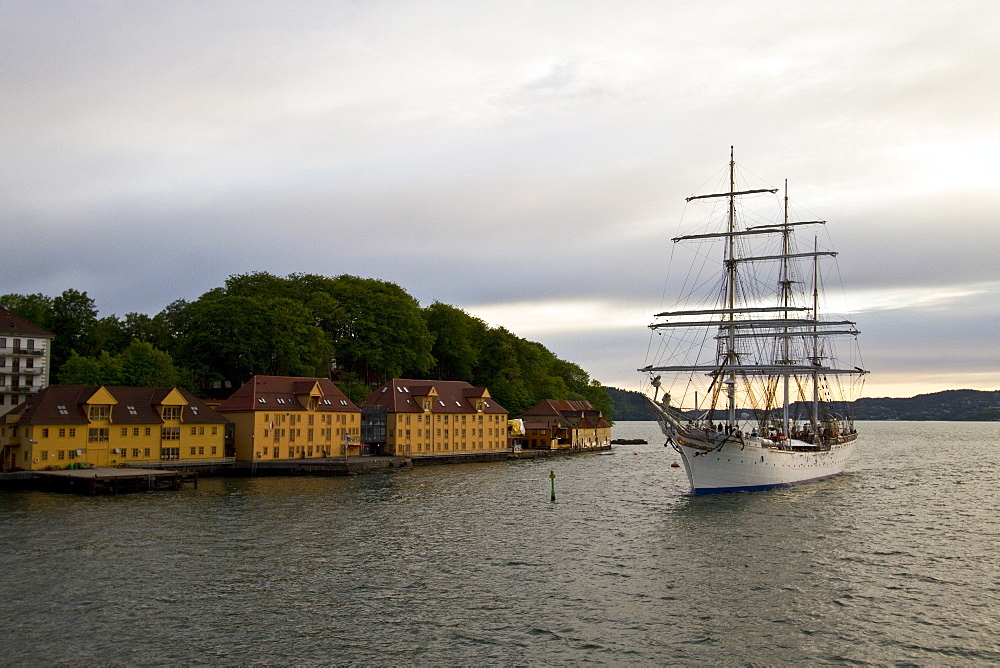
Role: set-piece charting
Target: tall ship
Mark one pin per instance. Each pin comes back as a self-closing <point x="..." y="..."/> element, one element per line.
<point x="748" y="385"/>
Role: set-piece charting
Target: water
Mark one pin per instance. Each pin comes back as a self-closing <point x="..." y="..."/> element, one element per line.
<point x="895" y="562"/>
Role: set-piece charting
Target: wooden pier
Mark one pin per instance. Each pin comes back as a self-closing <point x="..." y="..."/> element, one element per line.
<point x="106" y="480"/>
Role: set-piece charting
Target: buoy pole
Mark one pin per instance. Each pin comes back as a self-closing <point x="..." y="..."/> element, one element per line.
<point x="552" y="479"/>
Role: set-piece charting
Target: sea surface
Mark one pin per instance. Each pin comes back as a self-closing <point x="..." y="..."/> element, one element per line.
<point x="896" y="562"/>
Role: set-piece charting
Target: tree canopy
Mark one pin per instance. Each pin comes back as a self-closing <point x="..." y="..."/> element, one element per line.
<point x="358" y="331"/>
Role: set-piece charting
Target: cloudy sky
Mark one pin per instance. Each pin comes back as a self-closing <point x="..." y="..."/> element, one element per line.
<point x="525" y="161"/>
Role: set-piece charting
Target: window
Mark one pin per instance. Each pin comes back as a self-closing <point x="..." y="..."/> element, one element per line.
<point x="132" y="410"/>
<point x="192" y="450"/>
<point x="60" y="454"/>
<point x="97" y="435"/>
<point x="201" y="449"/>
<point x="99" y="413"/>
<point x="201" y="431"/>
<point x="215" y="450"/>
<point x="124" y="431"/>
<point x="170" y="433"/>
<point x="149" y="431"/>
<point x="215" y="430"/>
<point x="194" y="431"/>
<point x="146" y="452"/>
<point x="171" y="413"/>
<point x="62" y="432"/>
<point x="62" y="410"/>
<point x="194" y="410"/>
<point x="135" y="452"/>
<point x="45" y="432"/>
<point x="135" y="431"/>
<point x="170" y="453"/>
<point x="261" y="400"/>
<point x="72" y="432"/>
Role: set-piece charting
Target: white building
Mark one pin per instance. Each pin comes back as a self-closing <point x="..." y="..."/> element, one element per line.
<point x="25" y="359"/>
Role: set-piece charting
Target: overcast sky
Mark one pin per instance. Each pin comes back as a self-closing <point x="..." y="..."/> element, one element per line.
<point x="525" y="161"/>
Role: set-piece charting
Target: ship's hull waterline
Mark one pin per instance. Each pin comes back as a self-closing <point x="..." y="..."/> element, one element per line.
<point x="754" y="464"/>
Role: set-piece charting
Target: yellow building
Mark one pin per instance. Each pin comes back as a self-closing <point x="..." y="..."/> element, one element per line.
<point x="66" y="425"/>
<point x="427" y="418"/>
<point x="565" y="425"/>
<point x="284" y="417"/>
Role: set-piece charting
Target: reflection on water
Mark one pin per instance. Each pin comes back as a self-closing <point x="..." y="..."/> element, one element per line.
<point x="893" y="561"/>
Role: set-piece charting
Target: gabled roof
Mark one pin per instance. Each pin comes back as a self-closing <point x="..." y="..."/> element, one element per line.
<point x="67" y="404"/>
<point x="400" y="395"/>
<point x="286" y="393"/>
<point x="580" y="414"/>
<point x="11" y="324"/>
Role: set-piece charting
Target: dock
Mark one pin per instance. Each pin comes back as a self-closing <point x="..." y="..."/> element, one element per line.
<point x="108" y="480"/>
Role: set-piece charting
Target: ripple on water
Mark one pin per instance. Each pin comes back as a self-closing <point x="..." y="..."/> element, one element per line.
<point x="894" y="562"/>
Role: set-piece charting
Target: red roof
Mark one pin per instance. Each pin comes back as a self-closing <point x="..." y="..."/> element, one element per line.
<point x="284" y="393"/>
<point x="11" y="324"/>
<point x="581" y="414"/>
<point x="66" y="404"/>
<point x="453" y="396"/>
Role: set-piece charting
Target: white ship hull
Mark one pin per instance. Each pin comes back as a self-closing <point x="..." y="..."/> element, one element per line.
<point x="754" y="464"/>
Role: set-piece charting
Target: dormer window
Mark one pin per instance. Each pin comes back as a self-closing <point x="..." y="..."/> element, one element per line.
<point x="171" y="413"/>
<point x="99" y="413"/>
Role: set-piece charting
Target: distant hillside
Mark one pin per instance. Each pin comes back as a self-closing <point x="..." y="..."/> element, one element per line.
<point x="628" y="405"/>
<point x="949" y="405"/>
<point x="957" y="405"/>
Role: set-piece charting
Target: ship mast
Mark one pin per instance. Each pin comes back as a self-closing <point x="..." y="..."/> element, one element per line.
<point x="815" y="338"/>
<point x="785" y="289"/>
<point x="731" y="359"/>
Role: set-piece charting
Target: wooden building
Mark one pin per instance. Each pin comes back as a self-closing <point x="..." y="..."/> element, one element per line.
<point x="286" y="417"/>
<point x="76" y="425"/>
<point x="425" y="418"/>
<point x="553" y="424"/>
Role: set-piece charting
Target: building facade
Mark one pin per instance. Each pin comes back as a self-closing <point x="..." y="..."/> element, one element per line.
<point x="285" y="417"/>
<point x="426" y="418"/>
<point x="554" y="424"/>
<point x="25" y="360"/>
<point x="74" y="425"/>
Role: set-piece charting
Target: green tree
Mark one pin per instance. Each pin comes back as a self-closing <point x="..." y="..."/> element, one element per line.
<point x="143" y="365"/>
<point x="103" y="369"/>
<point x="458" y="338"/>
<point x="36" y="308"/>
<point x="234" y="338"/>
<point x="73" y="319"/>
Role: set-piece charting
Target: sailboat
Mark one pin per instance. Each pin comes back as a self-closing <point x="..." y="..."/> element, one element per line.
<point x="759" y="395"/>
